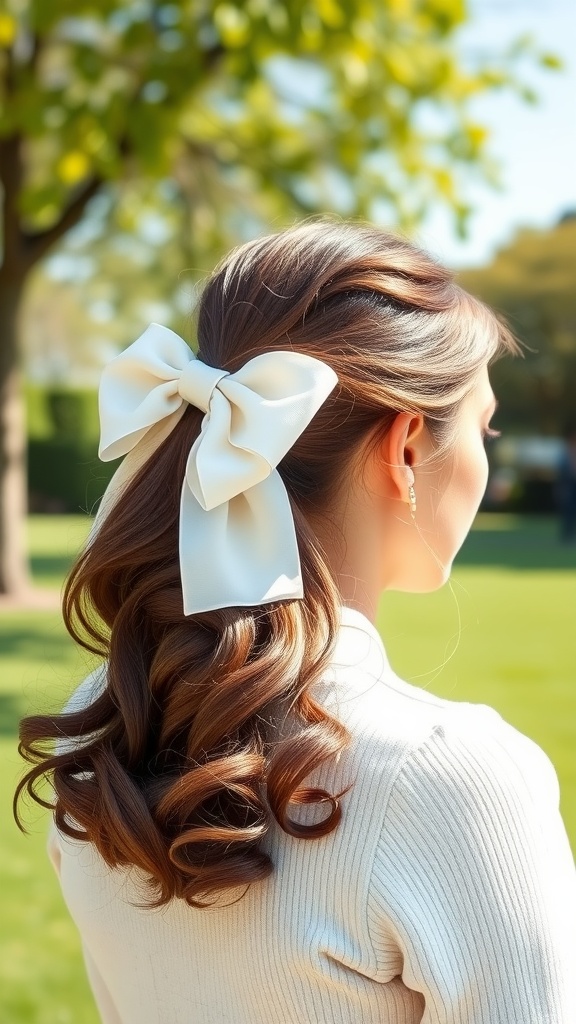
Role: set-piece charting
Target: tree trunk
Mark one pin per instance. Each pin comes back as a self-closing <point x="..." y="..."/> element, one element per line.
<point x="22" y="249"/>
<point x="14" y="572"/>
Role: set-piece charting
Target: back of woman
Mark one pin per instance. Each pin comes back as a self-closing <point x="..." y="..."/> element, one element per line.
<point x="256" y="820"/>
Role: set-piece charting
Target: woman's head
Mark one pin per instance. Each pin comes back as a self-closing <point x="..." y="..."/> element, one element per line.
<point x="411" y="350"/>
<point x="183" y="759"/>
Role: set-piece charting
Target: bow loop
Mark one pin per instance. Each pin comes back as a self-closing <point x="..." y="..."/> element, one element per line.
<point x="139" y="387"/>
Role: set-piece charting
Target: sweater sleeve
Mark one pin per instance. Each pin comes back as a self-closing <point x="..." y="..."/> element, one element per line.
<point x="81" y="697"/>
<point x="475" y="879"/>
<point x="107" y="1009"/>
<point x="86" y="691"/>
<point x="104" y="1003"/>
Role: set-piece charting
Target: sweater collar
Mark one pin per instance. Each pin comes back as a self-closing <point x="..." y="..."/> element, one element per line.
<point x="353" y="619"/>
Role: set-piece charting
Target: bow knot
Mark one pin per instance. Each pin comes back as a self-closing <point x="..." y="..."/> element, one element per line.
<point x="197" y="382"/>
<point x="237" y="538"/>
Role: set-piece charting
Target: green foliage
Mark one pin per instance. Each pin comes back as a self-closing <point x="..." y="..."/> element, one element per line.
<point x="66" y="411"/>
<point x="65" y="474"/>
<point x="64" y="471"/>
<point x="37" y="419"/>
<point x="531" y="282"/>
<point x="53" y="410"/>
<point x="316" y="104"/>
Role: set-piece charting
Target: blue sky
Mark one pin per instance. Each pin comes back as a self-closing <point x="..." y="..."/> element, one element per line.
<point x="536" y="144"/>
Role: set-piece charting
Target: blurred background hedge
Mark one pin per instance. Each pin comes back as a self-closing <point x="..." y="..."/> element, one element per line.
<point x="64" y="471"/>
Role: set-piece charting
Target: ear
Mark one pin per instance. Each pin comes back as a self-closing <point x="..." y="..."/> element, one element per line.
<point x="402" y="448"/>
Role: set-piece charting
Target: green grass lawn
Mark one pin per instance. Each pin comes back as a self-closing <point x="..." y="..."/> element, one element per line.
<point x="500" y="632"/>
<point x="41" y="971"/>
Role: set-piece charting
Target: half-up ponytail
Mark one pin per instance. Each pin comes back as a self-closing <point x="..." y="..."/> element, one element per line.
<point x="181" y="761"/>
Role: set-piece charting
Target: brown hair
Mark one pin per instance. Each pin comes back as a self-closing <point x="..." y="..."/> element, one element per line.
<point x="183" y="770"/>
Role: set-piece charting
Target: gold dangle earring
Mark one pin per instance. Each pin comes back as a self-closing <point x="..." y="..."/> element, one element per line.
<point x="412" y="496"/>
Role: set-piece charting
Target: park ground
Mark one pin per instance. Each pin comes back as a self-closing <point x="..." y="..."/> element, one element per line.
<point x="502" y="632"/>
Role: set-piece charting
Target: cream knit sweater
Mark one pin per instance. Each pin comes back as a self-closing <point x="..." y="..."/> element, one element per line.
<point x="447" y="894"/>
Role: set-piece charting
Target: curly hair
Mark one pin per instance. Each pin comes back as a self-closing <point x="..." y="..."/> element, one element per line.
<point x="179" y="765"/>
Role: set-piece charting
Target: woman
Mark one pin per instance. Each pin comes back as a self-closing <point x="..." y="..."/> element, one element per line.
<point x="256" y="819"/>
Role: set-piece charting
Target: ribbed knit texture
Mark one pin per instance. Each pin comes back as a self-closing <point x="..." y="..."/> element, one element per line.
<point x="447" y="894"/>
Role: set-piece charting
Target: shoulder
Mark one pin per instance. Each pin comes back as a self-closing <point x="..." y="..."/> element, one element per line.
<point x="424" y="737"/>
<point x="477" y="772"/>
<point x="433" y="761"/>
<point x="412" y="749"/>
<point x="473" y="809"/>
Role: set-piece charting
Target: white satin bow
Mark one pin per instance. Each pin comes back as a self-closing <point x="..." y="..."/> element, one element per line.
<point x="237" y="537"/>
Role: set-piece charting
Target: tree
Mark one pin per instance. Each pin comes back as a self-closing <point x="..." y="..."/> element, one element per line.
<point x="531" y="281"/>
<point x="315" y="104"/>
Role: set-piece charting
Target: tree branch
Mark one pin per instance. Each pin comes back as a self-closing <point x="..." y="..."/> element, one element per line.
<point x="36" y="244"/>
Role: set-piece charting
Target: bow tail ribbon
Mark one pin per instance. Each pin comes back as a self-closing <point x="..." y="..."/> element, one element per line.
<point x="252" y="567"/>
